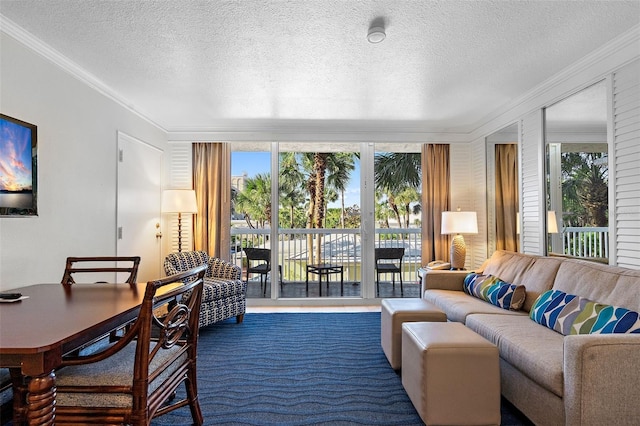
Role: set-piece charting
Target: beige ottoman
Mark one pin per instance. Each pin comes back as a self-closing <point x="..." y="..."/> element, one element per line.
<point x="394" y="312"/>
<point x="451" y="374"/>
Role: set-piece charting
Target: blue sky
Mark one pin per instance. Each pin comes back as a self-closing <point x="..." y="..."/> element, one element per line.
<point x="253" y="163"/>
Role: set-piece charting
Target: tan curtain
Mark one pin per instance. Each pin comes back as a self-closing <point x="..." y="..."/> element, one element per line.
<point x="435" y="200"/>
<point x="506" y="196"/>
<point x="212" y="183"/>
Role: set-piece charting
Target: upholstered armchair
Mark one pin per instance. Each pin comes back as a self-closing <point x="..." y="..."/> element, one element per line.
<point x="224" y="293"/>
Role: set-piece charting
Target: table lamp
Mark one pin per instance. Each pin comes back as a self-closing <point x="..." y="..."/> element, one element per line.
<point x="179" y="201"/>
<point x="459" y="223"/>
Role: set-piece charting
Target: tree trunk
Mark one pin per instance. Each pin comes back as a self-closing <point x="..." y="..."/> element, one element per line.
<point x="320" y="167"/>
<point x="342" y="211"/>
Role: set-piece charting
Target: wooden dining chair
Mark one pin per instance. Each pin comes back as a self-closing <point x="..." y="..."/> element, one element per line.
<point x="134" y="380"/>
<point x="101" y="265"/>
<point x="106" y="264"/>
<point x="389" y="261"/>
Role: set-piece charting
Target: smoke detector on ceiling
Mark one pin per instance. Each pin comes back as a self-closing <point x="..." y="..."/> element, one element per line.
<point x="376" y="34"/>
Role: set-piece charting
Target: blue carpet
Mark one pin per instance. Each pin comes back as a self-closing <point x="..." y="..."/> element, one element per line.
<point x="300" y="369"/>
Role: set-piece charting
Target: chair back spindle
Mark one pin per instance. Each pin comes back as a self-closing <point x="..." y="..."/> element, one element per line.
<point x="107" y="264"/>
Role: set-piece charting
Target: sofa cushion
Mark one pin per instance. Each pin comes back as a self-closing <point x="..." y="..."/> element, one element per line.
<point x="495" y="291"/>
<point x="571" y="314"/>
<point x="219" y="288"/>
<point x="458" y="304"/>
<point x="534" y="350"/>
<point x="535" y="273"/>
<point x="607" y="284"/>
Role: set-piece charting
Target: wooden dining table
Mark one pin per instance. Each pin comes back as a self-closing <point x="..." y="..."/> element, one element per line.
<point x="54" y="320"/>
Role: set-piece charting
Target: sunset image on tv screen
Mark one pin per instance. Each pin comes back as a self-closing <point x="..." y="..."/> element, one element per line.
<point x="16" y="176"/>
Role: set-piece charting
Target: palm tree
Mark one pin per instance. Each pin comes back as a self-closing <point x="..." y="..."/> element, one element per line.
<point x="394" y="171"/>
<point x="340" y="167"/>
<point x="585" y="188"/>
<point x="382" y="210"/>
<point x="321" y="173"/>
<point x="291" y="184"/>
<point x="255" y="200"/>
<point x="398" y="175"/>
<point x="319" y="178"/>
<point x="405" y="198"/>
<point x="393" y="207"/>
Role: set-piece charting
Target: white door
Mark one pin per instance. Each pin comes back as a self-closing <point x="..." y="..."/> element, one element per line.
<point x="138" y="204"/>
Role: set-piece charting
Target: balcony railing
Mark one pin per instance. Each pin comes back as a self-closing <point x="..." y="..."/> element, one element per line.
<point x="343" y="247"/>
<point x="586" y="242"/>
<point x="339" y="246"/>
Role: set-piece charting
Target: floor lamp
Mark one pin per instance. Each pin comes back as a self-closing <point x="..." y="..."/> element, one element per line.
<point x="179" y="201"/>
<point x="459" y="223"/>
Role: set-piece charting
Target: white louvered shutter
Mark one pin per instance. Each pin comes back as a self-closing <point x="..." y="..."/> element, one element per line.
<point x="625" y="163"/>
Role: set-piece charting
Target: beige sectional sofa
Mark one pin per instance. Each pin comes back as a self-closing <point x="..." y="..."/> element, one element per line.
<point x="554" y="379"/>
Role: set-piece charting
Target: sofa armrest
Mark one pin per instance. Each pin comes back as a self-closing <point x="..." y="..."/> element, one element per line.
<point x="443" y="280"/>
<point x="219" y="268"/>
<point x="601" y="377"/>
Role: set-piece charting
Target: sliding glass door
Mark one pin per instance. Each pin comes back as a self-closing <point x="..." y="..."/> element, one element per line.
<point x="398" y="242"/>
<point x="299" y="210"/>
<point x="319" y="220"/>
<point x="251" y="213"/>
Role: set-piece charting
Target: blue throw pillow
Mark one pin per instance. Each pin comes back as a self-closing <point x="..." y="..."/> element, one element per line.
<point x="495" y="291"/>
<point x="571" y="314"/>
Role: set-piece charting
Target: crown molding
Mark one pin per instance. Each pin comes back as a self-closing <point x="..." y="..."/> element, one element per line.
<point x="318" y="135"/>
<point x="18" y="33"/>
<point x="319" y="130"/>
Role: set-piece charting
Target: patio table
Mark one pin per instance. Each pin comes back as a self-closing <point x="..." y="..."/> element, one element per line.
<point x="325" y="269"/>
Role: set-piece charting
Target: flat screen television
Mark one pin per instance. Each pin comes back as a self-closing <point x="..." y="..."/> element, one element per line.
<point x="18" y="167"/>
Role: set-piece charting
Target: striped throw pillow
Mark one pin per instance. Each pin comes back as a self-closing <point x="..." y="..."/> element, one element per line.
<point x="571" y="314"/>
<point x="495" y="291"/>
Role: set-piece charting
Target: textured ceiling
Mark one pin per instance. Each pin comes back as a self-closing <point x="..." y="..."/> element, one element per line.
<point x="202" y="65"/>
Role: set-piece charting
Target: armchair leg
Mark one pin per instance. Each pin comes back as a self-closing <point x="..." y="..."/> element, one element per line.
<point x="239" y="318"/>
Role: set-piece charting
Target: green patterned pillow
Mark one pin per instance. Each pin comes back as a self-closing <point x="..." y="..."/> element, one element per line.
<point x="495" y="291"/>
<point x="570" y="314"/>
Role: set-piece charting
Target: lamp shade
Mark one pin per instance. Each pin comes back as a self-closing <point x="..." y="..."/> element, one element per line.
<point x="459" y="223"/>
<point x="179" y="201"/>
<point x="552" y="222"/>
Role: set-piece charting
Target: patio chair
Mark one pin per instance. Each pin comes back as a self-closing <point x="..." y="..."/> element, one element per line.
<point x="259" y="262"/>
<point x="135" y="379"/>
<point x="224" y="294"/>
<point x="389" y="261"/>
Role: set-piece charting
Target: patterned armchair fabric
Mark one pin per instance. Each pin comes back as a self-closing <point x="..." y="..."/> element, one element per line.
<point x="224" y="293"/>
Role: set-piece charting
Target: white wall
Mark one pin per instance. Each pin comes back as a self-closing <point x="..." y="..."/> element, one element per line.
<point x="77" y="166"/>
